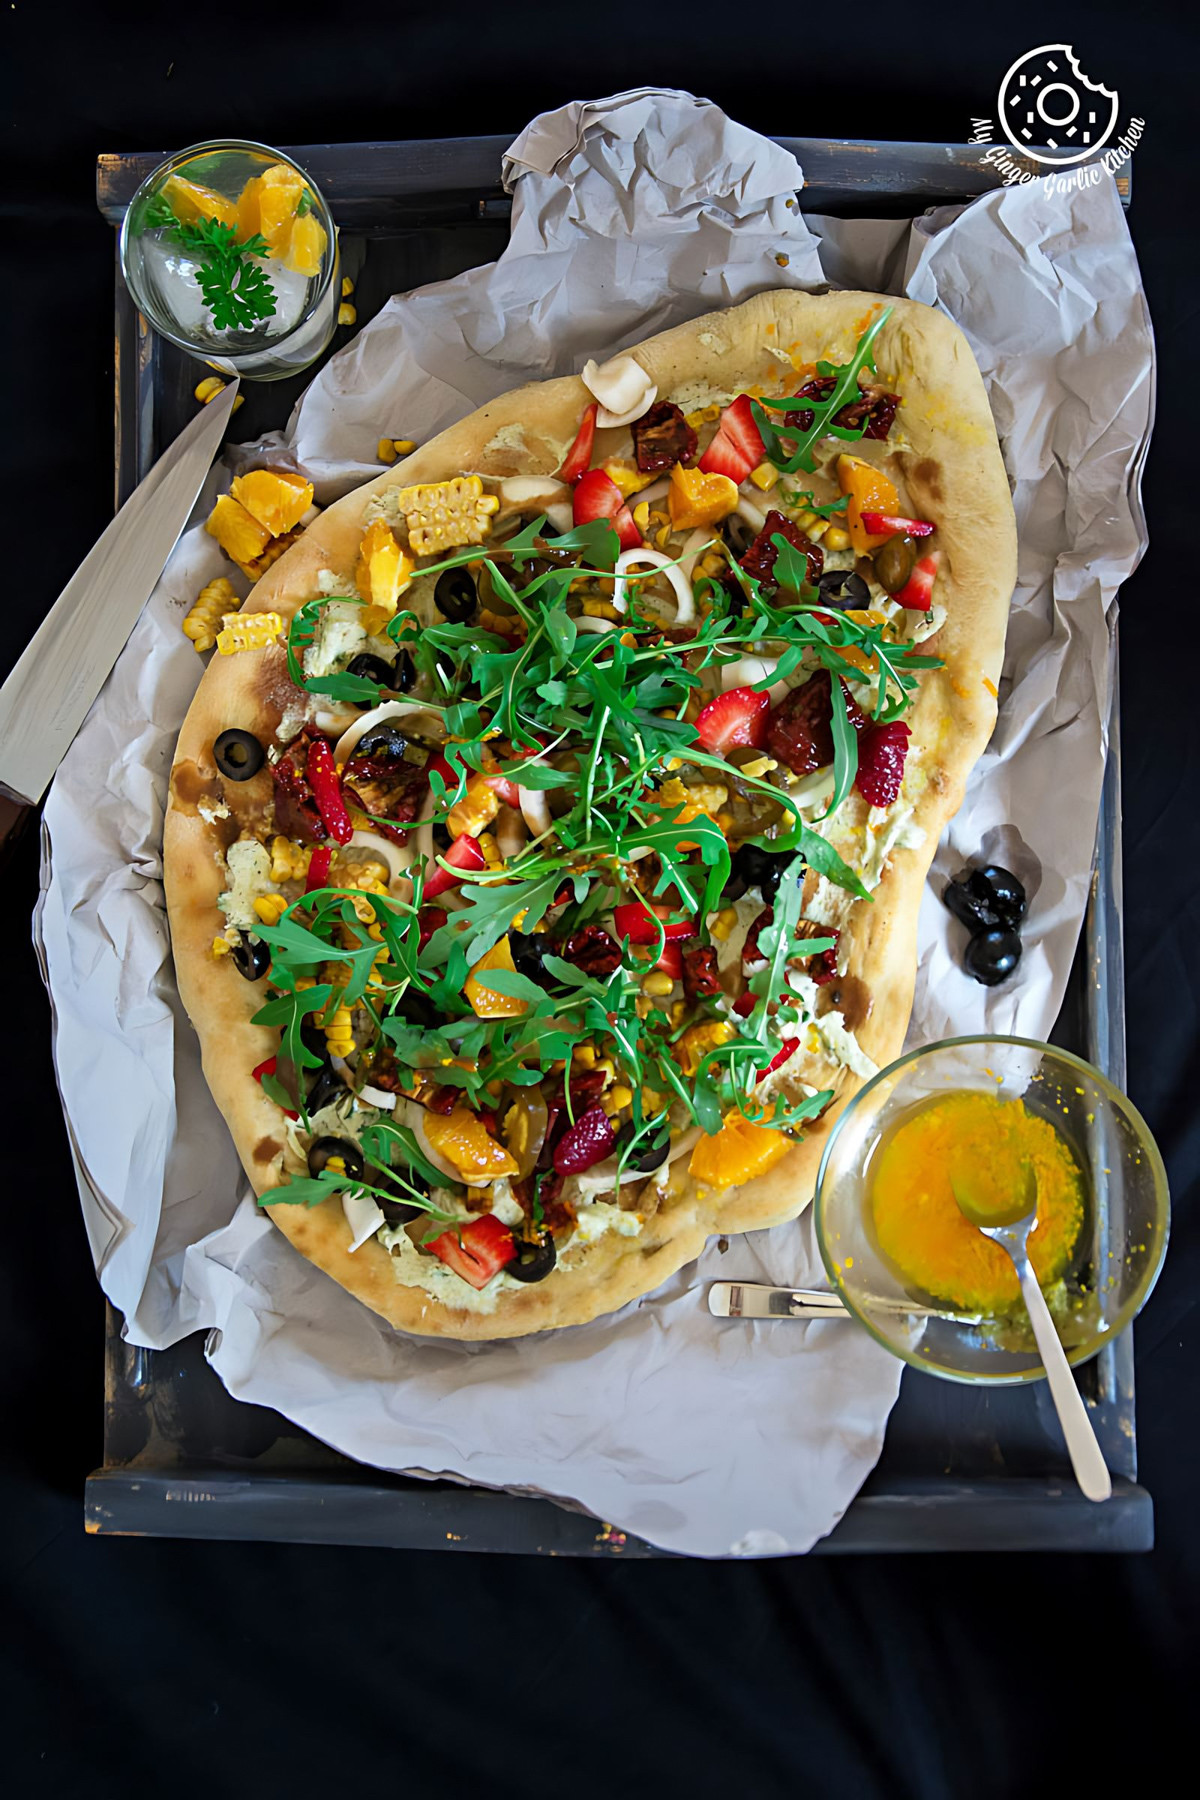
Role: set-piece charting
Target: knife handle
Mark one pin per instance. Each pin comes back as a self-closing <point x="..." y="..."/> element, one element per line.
<point x="14" y="819"/>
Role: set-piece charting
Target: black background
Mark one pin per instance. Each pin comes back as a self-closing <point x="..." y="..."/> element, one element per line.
<point x="128" y="1665"/>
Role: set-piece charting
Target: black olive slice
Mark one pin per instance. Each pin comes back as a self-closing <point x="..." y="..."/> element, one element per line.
<point x="323" y="1148"/>
<point x="250" y="956"/>
<point x="327" y="1087"/>
<point x="381" y="740"/>
<point x="372" y="668"/>
<point x="737" y="534"/>
<point x="753" y="867"/>
<point x="650" y="1154"/>
<point x="238" y="754"/>
<point x="843" y="588"/>
<point x="534" y="1259"/>
<point x="455" y="596"/>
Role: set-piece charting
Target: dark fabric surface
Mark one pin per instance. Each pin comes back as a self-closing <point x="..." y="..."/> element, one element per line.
<point x="130" y="1666"/>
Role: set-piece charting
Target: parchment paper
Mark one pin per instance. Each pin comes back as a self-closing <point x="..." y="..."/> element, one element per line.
<point x="629" y="215"/>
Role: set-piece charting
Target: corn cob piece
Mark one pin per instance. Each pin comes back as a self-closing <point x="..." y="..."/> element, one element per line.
<point x="442" y="515"/>
<point x="204" y="620"/>
<point x="247" y="631"/>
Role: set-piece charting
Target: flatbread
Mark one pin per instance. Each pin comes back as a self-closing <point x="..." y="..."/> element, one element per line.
<point x="949" y="469"/>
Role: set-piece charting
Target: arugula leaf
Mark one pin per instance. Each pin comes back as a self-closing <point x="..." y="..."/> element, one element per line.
<point x="803" y="440"/>
<point x="845" y="746"/>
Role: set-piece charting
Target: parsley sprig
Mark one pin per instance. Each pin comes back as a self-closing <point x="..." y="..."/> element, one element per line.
<point x="237" y="291"/>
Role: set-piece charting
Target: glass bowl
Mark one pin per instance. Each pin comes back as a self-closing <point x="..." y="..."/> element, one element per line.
<point x="161" y="274"/>
<point x="1120" y="1248"/>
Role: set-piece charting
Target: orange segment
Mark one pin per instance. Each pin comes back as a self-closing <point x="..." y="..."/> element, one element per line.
<point x="249" y="219"/>
<point x="870" y="490"/>
<point x="465" y="1143"/>
<point x="697" y="498"/>
<point x="307" y="246"/>
<point x="279" y="191"/>
<point x="488" y="1002"/>
<point x="239" y="535"/>
<point x="190" y="201"/>
<point x="276" y="498"/>
<point x="737" y="1153"/>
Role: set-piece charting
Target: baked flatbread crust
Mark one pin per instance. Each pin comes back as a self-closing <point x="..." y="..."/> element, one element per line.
<point x="950" y="469"/>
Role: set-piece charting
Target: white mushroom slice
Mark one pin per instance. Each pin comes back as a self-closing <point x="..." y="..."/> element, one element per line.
<point x="685" y="605"/>
<point x="697" y="541"/>
<point x="396" y="856"/>
<point x="586" y="623"/>
<point x="561" y="515"/>
<point x="753" y="515"/>
<point x="512" y="833"/>
<point x="535" y="810"/>
<point x="431" y="726"/>
<point x="749" y="669"/>
<point x="517" y="490"/>
<point x="622" y="387"/>
<point x="378" y="1097"/>
<point x="364" y="1217"/>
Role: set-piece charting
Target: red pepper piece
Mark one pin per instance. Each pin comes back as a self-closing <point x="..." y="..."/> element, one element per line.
<point x="464" y="854"/>
<point x="635" y="921"/>
<point x="576" y="461"/>
<point x="745" y="1004"/>
<point x="318" y="868"/>
<point x="268" y="1068"/>
<point x="784" y="1054"/>
<point x="429" y="920"/>
<point x="589" y="1140"/>
<point x="917" y="592"/>
<point x="671" y="961"/>
<point x="476" y="1251"/>
<point x="877" y="523"/>
<point x="597" y="496"/>
<point x="327" y="791"/>
<point x="700" y="976"/>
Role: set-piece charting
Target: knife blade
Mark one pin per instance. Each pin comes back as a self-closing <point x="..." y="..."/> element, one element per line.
<point x="66" y="663"/>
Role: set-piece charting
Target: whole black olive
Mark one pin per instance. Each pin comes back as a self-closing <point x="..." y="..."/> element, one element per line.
<point x="417" y="1008"/>
<point x="737" y="534"/>
<point x="650" y="1154"/>
<point x="976" y="913"/>
<point x="322" y="1149"/>
<point x="327" y="1087"/>
<point x="455" y="596"/>
<point x="528" y="948"/>
<point x="238" y="754"/>
<point x="894" y="562"/>
<point x="372" y="668"/>
<point x="1007" y="894"/>
<point x="842" y="588"/>
<point x="381" y="740"/>
<point x="534" y="1259"/>
<point x="991" y="956"/>
<point x="400" y="1210"/>
<point x="250" y="956"/>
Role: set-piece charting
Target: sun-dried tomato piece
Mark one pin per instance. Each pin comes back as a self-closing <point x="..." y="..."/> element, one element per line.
<point x="662" y="437"/>
<point x="754" y="959"/>
<point x="296" y="811"/>
<point x="800" y="729"/>
<point x="759" y="559"/>
<point x="592" y="950"/>
<point x="873" y="412"/>
<point x="700" y="977"/>
<point x="387" y="787"/>
<point x="442" y="1100"/>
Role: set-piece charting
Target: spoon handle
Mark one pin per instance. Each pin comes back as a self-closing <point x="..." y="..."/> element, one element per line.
<point x="1086" y="1459"/>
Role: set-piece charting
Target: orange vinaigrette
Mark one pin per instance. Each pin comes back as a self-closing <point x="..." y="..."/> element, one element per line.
<point x="917" y="1222"/>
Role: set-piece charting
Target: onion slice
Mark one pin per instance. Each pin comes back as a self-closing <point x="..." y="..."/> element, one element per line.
<point x="519" y="490"/>
<point x="364" y="1216"/>
<point x="414" y="1118"/>
<point x="622" y="387"/>
<point x="535" y="810"/>
<point x="378" y="1097"/>
<point x="585" y="622"/>
<point x="396" y="856"/>
<point x="685" y="605"/>
<point x="434" y="728"/>
<point x="753" y="515"/>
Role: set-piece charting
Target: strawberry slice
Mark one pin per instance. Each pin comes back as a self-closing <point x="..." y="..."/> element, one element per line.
<point x="881" y="753"/>
<point x="876" y="524"/>
<point x="745" y="1004"/>
<point x="589" y="1140"/>
<point x="671" y="961"/>
<point x="476" y="1251"/>
<point x="738" y="446"/>
<point x="917" y="592"/>
<point x="738" y="716"/>
<point x="580" y="454"/>
<point x="465" y="854"/>
<point x="597" y="496"/>
<point x="635" y="921"/>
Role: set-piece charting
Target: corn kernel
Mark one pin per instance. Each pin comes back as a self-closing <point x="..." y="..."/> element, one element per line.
<point x="621" y="1096"/>
<point x="270" y="908"/>
<point x="584" y="1055"/>
<point x="405" y="446"/>
<point x="641" y="515"/>
<point x="837" y="539"/>
<point x="600" y="609"/>
<point x="643" y="1007"/>
<point x="724" y="923"/>
<point x="347" y="314"/>
<point x="289" y="860"/>
<point x="762" y="765"/>
<point x="679" y="1012"/>
<point x="606" y="1066"/>
<point x="491" y="850"/>
<point x="725" y="820"/>
<point x="805" y="519"/>
<point x="337" y="1164"/>
<point x="209" y="388"/>
<point x="663" y="537"/>
<point x="765" y="476"/>
<point x="385" y="450"/>
<point x="220" y="946"/>
<point x="347" y="287"/>
<point x="698" y="1040"/>
<point x="815" y="532"/>
<point x="658" y="984"/>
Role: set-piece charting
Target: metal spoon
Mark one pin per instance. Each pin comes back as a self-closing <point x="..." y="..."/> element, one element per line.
<point x="1010" y="1229"/>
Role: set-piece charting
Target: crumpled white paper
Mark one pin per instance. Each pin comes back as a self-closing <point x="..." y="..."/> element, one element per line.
<point x="712" y="1438"/>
